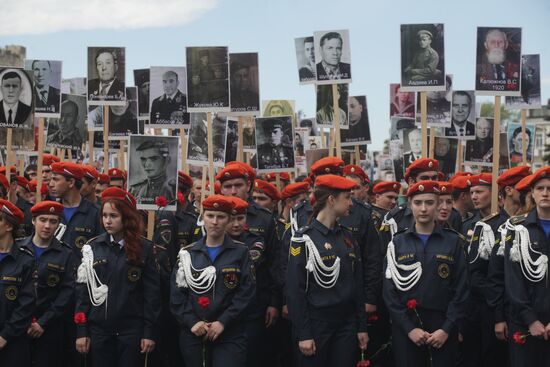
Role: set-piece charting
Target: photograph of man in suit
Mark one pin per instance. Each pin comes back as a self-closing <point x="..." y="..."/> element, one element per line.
<point x="481" y="149"/>
<point x="68" y="133"/>
<point x="331" y="67"/>
<point x="415" y="144"/>
<point x="107" y="87"/>
<point x="13" y="112"/>
<point x="460" y="126"/>
<point x="307" y="69"/>
<point x="170" y="107"/>
<point x="46" y="96"/>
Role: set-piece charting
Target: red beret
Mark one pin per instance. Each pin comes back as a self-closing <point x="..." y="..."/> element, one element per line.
<point x="43" y="189"/>
<point x="219" y="203"/>
<point x="327" y="165"/>
<point x="104" y="179"/>
<point x="251" y="172"/>
<point x="13" y="170"/>
<point x="284" y="176"/>
<point x="335" y="182"/>
<point x="117" y="173"/>
<point x="120" y="194"/>
<point x="513" y="175"/>
<point x="423" y="187"/>
<point x="12" y="211"/>
<point x="460" y="173"/>
<point x="461" y="183"/>
<point x="184" y="179"/>
<point x="445" y="188"/>
<point x="23" y="182"/>
<point x="68" y="169"/>
<point x="441" y="176"/>
<point x="541" y="173"/>
<point x="294" y="189"/>
<point x="267" y="189"/>
<point x="90" y="172"/>
<point x="239" y="205"/>
<point x="47" y="207"/>
<point x="524" y="184"/>
<point x="231" y="171"/>
<point x="421" y="165"/>
<point x="4" y="181"/>
<point x="385" y="186"/>
<point x="352" y="169"/>
<point x="49" y="159"/>
<point x="481" y="179"/>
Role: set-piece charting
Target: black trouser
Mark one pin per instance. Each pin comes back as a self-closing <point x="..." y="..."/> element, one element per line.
<point x="229" y="350"/>
<point x="49" y="349"/>
<point x="379" y="350"/>
<point x="286" y="355"/>
<point x="481" y="346"/>
<point x="335" y="344"/>
<point x="121" y="350"/>
<point x="167" y="351"/>
<point x="16" y="353"/>
<point x="408" y="354"/>
<point x="535" y="352"/>
<point x="261" y="343"/>
<point x="515" y="350"/>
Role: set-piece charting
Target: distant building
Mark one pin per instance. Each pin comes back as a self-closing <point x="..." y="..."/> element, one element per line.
<point x="541" y="120"/>
<point x="13" y="56"/>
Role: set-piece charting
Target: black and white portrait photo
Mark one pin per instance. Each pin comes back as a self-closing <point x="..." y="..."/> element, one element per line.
<point x="300" y="142"/>
<point x="142" y="80"/>
<point x="231" y="139"/>
<point x="106" y="75"/>
<point x="422" y="58"/>
<point x="16" y="98"/>
<point x="249" y="135"/>
<point x="332" y="57"/>
<point x="197" y="148"/>
<point x="69" y="131"/>
<point x="398" y="124"/>
<point x="480" y="150"/>
<point x="311" y="124"/>
<point x="168" y="97"/>
<point x="438" y="106"/>
<point x="396" y="155"/>
<point x="401" y="103"/>
<point x="530" y="85"/>
<point x="305" y="58"/>
<point x="208" y="79"/>
<point x="74" y="86"/>
<point x="412" y="146"/>
<point x="153" y="169"/>
<point x="47" y="86"/>
<point x="463" y="114"/>
<point x="23" y="139"/>
<point x="445" y="151"/>
<point x="123" y="120"/>
<point x="274" y="142"/>
<point x="99" y="143"/>
<point x="245" y="83"/>
<point x="325" y="108"/>
<point x="498" y="61"/>
<point x="358" y="132"/>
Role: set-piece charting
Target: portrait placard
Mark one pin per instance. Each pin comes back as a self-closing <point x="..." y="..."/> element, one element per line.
<point x="249" y="135"/>
<point x="168" y="98"/>
<point x="358" y="132"/>
<point x="332" y="57"/>
<point x="274" y="142"/>
<point x="245" y="83"/>
<point x="445" y="151"/>
<point x="47" y="86"/>
<point x="530" y="85"/>
<point x="278" y="107"/>
<point x="401" y="103"/>
<point x="463" y="115"/>
<point x="142" y="80"/>
<point x="515" y="143"/>
<point x="74" y="86"/>
<point x="438" y="106"/>
<point x="16" y="99"/>
<point x="325" y="109"/>
<point x="232" y="139"/>
<point x="305" y="58"/>
<point x="480" y="150"/>
<point x="123" y="120"/>
<point x="396" y="155"/>
<point x="106" y="75"/>
<point x="197" y="148"/>
<point x="70" y="130"/>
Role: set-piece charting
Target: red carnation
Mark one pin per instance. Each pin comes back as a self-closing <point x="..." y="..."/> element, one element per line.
<point x="373" y="318"/>
<point x="363" y="363"/>
<point x="181" y="198"/>
<point x="519" y="338"/>
<point x="80" y="318"/>
<point x="204" y="302"/>
<point x="34" y="320"/>
<point x="161" y="201"/>
<point x="411" y="304"/>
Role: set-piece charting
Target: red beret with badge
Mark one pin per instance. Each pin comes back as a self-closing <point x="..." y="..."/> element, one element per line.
<point x="524" y="184"/>
<point x="103" y="179"/>
<point x="481" y="179"/>
<point x="47" y="207"/>
<point x="271" y="177"/>
<point x="249" y="170"/>
<point x="385" y="186"/>
<point x="232" y="171"/>
<point x="421" y="165"/>
<point x="68" y="169"/>
<point x="445" y="188"/>
<point x="423" y="187"/>
<point x="294" y="189"/>
<point x="90" y="172"/>
<point x="328" y="165"/>
<point x="120" y="194"/>
<point x="218" y="203"/>
<point x="335" y="182"/>
<point x="513" y="175"/>
<point x="540" y="174"/>
<point x="461" y="183"/>
<point x="117" y="173"/>
<point x="184" y="179"/>
<point x="267" y="189"/>
<point x="13" y="212"/>
<point x="354" y="170"/>
<point x="239" y="205"/>
<point x="49" y="159"/>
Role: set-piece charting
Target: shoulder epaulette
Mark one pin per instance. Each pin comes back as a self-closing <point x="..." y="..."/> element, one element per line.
<point x="518" y="219"/>
<point x="490" y="216"/>
<point x="26" y="251"/>
<point x="303" y="230"/>
<point x="376" y="214"/>
<point x="64" y="244"/>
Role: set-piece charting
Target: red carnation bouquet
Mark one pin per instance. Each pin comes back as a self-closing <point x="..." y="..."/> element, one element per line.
<point x="79" y="318"/>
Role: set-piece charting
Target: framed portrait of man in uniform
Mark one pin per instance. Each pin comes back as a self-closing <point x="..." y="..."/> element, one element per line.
<point x="168" y="97"/>
<point x="153" y="170"/>
<point x="422" y="58"/>
<point x="231" y="139"/>
<point x="245" y="83"/>
<point x="530" y="85"/>
<point x="70" y="130"/>
<point x="305" y="58"/>
<point x="332" y="57"/>
<point x="47" y="86"/>
<point x="16" y="98"/>
<point x="274" y="144"/>
<point x="396" y="155"/>
<point x="106" y="75"/>
<point x="142" y="80"/>
<point x="480" y="150"/>
<point x="249" y="135"/>
<point x="445" y="151"/>
<point x="123" y="120"/>
<point x="438" y="106"/>
<point x="197" y="143"/>
<point x="498" y="61"/>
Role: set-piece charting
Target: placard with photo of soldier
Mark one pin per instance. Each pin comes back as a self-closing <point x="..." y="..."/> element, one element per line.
<point x="153" y="170"/>
<point x="249" y="135"/>
<point x="305" y="57"/>
<point x="274" y="142"/>
<point x="208" y="79"/>
<point x="197" y="146"/>
<point x="401" y="103"/>
<point x="123" y="120"/>
<point x="325" y="115"/>
<point x="278" y="107"/>
<point x="397" y="124"/>
<point x="16" y="98"/>
<point x="480" y="150"/>
<point x="438" y="106"/>
<point x="530" y="85"/>
<point x="396" y="155"/>
<point x="445" y="151"/>
<point x="515" y="143"/>
<point x="245" y="83"/>
<point x="300" y="142"/>
<point x="168" y="97"/>
<point x="332" y="57"/>
<point x="358" y="132"/>
<point x="498" y="61"/>
<point x="47" y="86"/>
<point x="422" y="58"/>
<point x="232" y="139"/>
<point x="314" y="142"/>
<point x="311" y="124"/>
<point x="76" y="86"/>
<point x="106" y="75"/>
<point x="463" y="115"/>
<point x="69" y="131"/>
<point x="412" y="146"/>
<point x="142" y="80"/>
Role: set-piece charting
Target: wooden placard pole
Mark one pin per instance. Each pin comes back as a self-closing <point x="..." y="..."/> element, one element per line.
<point x="150" y="224"/>
<point x="432" y="142"/>
<point x="211" y="178"/>
<point x="331" y="142"/>
<point x="337" y="122"/>
<point x="183" y="140"/>
<point x="460" y="153"/>
<point x="40" y="161"/>
<point x="357" y="155"/>
<point x="9" y="143"/>
<point x="424" y="123"/>
<point x="91" y="148"/>
<point x="323" y="138"/>
<point x="62" y="155"/>
<point x="121" y="159"/>
<point x="240" y="143"/>
<point x="523" y="137"/>
<point x="203" y="187"/>
<point x="70" y="154"/>
<point x="21" y="165"/>
<point x="105" y="139"/>
<point x="496" y="156"/>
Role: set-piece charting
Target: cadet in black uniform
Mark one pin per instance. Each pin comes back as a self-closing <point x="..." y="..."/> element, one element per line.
<point x="211" y="288"/>
<point x="385" y="199"/>
<point x="118" y="288"/>
<point x="54" y="278"/>
<point x="324" y="284"/>
<point x="16" y="290"/>
<point x="25" y="205"/>
<point x="425" y="285"/>
<point x="526" y="272"/>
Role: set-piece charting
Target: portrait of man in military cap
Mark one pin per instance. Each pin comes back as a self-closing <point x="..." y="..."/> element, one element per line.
<point x="422" y="57"/>
<point x="243" y="70"/>
<point x="168" y="97"/>
<point x="70" y="130"/>
<point x="274" y="142"/>
<point x="152" y="170"/>
<point x="142" y="79"/>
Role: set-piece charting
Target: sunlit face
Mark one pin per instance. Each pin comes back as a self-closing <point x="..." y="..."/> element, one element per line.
<point x="415" y="139"/>
<point x="45" y="226"/>
<point x="386" y="200"/>
<point x="309" y="51"/>
<point x="481" y="197"/>
<point x="153" y="162"/>
<point x="236" y="225"/>
<point x="360" y="191"/>
<point x="424" y="208"/>
<point x="41" y="71"/>
<point x="276" y="136"/>
<point x="263" y="200"/>
<point x="355" y="109"/>
<point x="424" y="41"/>
<point x="215" y="222"/>
<point x="238" y="187"/>
<point x="11" y="90"/>
<point x="106" y="66"/>
<point x="445" y="208"/>
<point x="331" y="51"/>
<point x="112" y="220"/>
<point x="483" y="129"/>
<point x="461" y="108"/>
<point x="170" y="83"/>
<point x="69" y="117"/>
